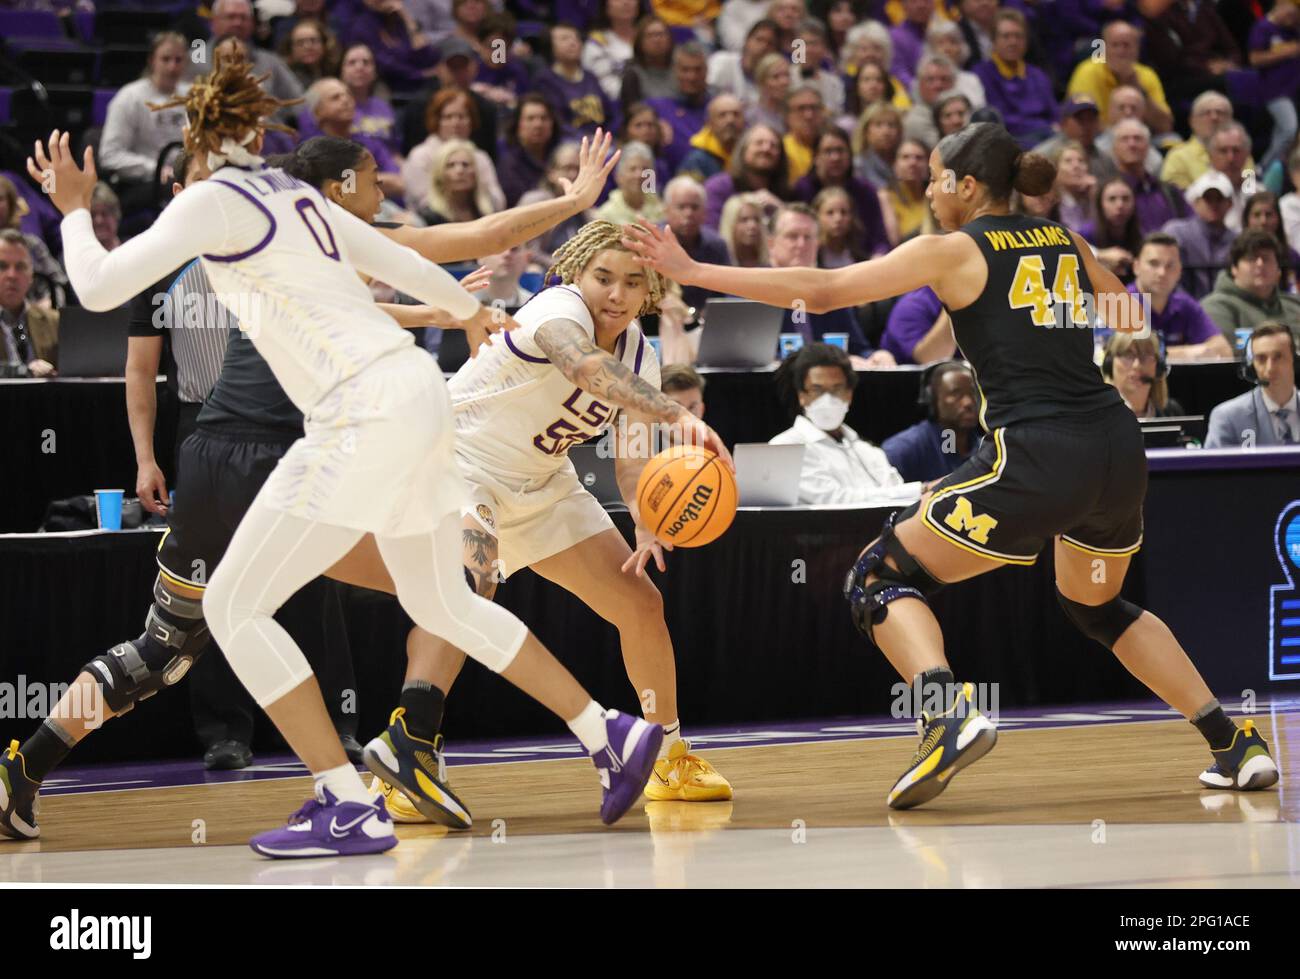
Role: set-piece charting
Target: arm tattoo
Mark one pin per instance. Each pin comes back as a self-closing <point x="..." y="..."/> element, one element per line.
<point x="594" y="370"/>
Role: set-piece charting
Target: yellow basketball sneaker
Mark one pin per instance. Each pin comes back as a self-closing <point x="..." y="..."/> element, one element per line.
<point x="396" y="802"/>
<point x="686" y="777"/>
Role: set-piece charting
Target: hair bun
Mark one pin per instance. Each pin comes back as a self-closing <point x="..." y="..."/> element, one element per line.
<point x="1032" y="174"/>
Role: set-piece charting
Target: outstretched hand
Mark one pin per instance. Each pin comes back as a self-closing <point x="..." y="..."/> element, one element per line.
<point x="69" y="186"/>
<point x="659" y="249"/>
<point x="647" y="546"/>
<point x="593" y="170"/>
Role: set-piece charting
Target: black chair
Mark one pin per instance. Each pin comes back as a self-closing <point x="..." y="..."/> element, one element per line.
<point x="69" y="64"/>
<point x="121" y="64"/>
<point x="129" y="25"/>
<point x="70" y="106"/>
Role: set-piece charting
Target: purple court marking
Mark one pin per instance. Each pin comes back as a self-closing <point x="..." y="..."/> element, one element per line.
<point x="170" y="774"/>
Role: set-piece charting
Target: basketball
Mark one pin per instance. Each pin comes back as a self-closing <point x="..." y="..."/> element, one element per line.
<point x="687" y="496"/>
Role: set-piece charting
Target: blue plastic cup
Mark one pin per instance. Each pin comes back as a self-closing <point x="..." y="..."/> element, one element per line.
<point x="658" y="346"/>
<point x="108" y="507"/>
<point x="840" y="340"/>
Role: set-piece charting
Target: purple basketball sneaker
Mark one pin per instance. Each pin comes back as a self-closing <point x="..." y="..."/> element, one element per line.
<point x="325" y="827"/>
<point x="626" y="763"/>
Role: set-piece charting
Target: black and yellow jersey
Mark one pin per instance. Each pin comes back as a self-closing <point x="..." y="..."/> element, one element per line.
<point x="1029" y="335"/>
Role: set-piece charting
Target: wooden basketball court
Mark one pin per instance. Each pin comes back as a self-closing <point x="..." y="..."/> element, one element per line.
<point x="1112" y="805"/>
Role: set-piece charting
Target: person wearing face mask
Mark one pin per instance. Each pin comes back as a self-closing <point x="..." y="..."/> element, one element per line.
<point x="839" y="466"/>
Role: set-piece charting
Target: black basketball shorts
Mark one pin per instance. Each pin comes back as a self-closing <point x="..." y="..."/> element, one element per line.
<point x="220" y="474"/>
<point x="1082" y="477"/>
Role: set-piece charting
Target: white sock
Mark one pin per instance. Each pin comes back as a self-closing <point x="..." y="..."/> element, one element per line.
<point x="672" y="734"/>
<point x="344" y="784"/>
<point x="589" y="727"/>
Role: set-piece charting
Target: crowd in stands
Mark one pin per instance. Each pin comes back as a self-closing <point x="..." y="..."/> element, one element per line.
<point x="772" y="133"/>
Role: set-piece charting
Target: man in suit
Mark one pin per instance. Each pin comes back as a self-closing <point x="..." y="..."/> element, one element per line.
<point x="1269" y="413"/>
<point x="29" y="335"/>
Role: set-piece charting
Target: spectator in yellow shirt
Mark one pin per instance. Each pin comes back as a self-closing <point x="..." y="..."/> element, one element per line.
<point x="1211" y="111"/>
<point x="805" y="114"/>
<point x="1120" y="65"/>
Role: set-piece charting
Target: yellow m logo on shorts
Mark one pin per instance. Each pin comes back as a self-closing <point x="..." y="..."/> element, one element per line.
<point x="965" y="520"/>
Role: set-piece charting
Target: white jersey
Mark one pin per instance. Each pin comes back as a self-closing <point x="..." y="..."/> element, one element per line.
<point x="283" y="259"/>
<point x="516" y="414"/>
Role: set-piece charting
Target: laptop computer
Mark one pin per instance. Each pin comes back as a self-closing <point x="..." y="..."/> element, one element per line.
<point x="739" y="333"/>
<point x="1173" y="431"/>
<point x="768" y="475"/>
<point x="594" y="463"/>
<point x="93" y="344"/>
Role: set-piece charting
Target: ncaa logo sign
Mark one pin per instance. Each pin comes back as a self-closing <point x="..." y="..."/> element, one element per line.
<point x="1284" y="603"/>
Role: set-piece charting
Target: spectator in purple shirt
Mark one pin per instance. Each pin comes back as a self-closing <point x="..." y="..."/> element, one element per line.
<point x="793" y="243"/>
<point x="1115" y="237"/>
<point x="909" y="38"/>
<point x="757" y="165"/>
<point x="331" y="106"/>
<point x="1204" y="239"/>
<point x="575" y="94"/>
<point x="403" y="54"/>
<point x="509" y="68"/>
<point x="375" y="116"/>
<point x="833" y="167"/>
<point x="686" y="112"/>
<point x="1021" y="92"/>
<point x="918" y="330"/>
<point x="1157" y="201"/>
<point x="533" y="133"/>
<point x="1275" y="52"/>
<point x="1185" y="330"/>
<point x="684" y="203"/>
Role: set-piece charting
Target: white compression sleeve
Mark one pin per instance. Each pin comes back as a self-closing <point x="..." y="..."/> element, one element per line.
<point x="192" y="224"/>
<point x="271" y="556"/>
<point x="431" y="586"/>
<point x="401" y="267"/>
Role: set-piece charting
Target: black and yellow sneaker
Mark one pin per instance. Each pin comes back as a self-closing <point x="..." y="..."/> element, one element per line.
<point x="416" y="766"/>
<point x="1244" y="764"/>
<point x="18" y="802"/>
<point x="949" y="742"/>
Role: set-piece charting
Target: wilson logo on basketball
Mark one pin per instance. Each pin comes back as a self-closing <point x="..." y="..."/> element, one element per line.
<point x="691" y="511"/>
<point x="686" y="496"/>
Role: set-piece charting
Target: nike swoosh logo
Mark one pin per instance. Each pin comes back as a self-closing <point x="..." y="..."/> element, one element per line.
<point x="338" y="831"/>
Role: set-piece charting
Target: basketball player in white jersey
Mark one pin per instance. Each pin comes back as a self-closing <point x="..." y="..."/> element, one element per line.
<point x="577" y="359"/>
<point x="377" y="456"/>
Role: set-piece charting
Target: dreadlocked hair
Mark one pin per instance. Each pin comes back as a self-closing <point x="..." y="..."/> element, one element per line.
<point x="572" y="257"/>
<point x="228" y="103"/>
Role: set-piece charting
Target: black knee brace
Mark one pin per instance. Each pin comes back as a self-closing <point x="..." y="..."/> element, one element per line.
<point x="1105" y="622"/>
<point x="869" y="601"/>
<point x="175" y="635"/>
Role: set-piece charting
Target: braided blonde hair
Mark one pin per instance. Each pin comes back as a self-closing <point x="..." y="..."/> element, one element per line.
<point x="228" y="103"/>
<point x="571" y="258"/>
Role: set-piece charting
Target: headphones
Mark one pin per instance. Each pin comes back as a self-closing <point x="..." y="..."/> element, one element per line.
<point x="925" y="395"/>
<point x="1246" y="369"/>
<point x="1108" y="361"/>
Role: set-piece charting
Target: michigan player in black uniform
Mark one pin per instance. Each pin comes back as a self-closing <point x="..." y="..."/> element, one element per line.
<point x="1063" y="460"/>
